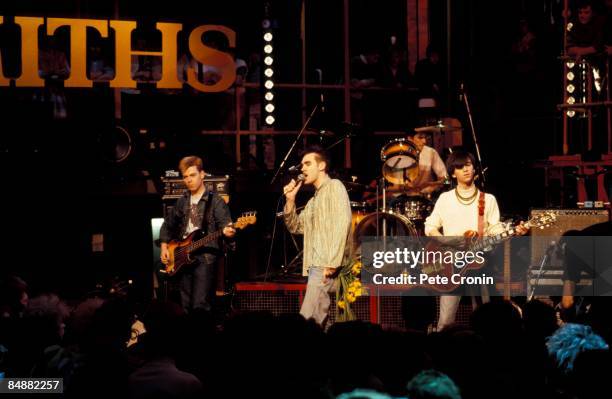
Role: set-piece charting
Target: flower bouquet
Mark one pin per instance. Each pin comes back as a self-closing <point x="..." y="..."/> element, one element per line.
<point x="349" y="288"/>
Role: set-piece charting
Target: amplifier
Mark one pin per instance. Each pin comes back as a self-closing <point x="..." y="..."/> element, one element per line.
<point x="566" y="219"/>
<point x="174" y="186"/>
<point x="279" y="298"/>
<point x="550" y="282"/>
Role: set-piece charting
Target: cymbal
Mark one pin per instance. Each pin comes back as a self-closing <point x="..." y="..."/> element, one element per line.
<point x="321" y="132"/>
<point x="351" y="185"/>
<point x="436" y="128"/>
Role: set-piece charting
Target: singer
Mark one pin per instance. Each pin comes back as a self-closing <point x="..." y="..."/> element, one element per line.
<point x="325" y="223"/>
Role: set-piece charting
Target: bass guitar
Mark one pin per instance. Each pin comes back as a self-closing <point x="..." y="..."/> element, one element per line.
<point x="182" y="252"/>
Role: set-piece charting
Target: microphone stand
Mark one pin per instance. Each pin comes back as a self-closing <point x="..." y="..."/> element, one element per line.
<point x="533" y="287"/>
<point x="291" y="264"/>
<point x="464" y="96"/>
<point x="306" y="123"/>
<point x="340" y="140"/>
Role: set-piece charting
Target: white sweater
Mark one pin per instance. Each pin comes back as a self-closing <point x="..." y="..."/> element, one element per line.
<point x="454" y="218"/>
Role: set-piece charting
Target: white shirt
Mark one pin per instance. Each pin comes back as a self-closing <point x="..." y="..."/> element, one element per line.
<point x="429" y="160"/>
<point x="455" y="218"/>
<point x="193" y="201"/>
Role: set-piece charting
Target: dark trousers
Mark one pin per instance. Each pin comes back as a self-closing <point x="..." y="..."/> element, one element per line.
<point x="197" y="284"/>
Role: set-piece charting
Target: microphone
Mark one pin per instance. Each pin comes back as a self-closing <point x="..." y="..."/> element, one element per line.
<point x="298" y="179"/>
<point x="295" y="168"/>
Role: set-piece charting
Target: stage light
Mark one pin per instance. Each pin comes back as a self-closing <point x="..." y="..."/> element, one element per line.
<point x="571" y="88"/>
<point x="570" y="75"/>
<point x="570" y="113"/>
<point x="570" y="64"/>
<point x="597" y="79"/>
<point x="571" y="100"/>
<point x="569" y="26"/>
<point x="268" y="71"/>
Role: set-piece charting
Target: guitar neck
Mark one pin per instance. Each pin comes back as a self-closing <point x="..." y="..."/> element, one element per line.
<point x="205" y="240"/>
<point x="245" y="220"/>
<point x="491" y="240"/>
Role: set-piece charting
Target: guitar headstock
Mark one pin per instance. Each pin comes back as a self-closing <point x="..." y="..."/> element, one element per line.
<point x="245" y="219"/>
<point x="544" y="219"/>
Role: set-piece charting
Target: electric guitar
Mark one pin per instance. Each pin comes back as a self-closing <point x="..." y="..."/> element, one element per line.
<point x="181" y="252"/>
<point x="474" y="243"/>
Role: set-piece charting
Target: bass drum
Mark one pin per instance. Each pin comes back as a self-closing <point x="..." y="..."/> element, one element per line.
<point x="374" y="224"/>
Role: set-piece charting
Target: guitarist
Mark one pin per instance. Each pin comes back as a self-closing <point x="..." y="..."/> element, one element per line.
<point x="196" y="209"/>
<point x="464" y="208"/>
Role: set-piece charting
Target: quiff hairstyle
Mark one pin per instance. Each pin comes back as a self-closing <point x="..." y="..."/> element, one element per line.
<point x="190" y="161"/>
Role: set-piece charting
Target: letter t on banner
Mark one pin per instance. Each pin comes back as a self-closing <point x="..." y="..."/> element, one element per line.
<point x="78" y="46"/>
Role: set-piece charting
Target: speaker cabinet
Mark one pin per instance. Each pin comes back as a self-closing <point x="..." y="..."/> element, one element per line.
<point x="566" y="219"/>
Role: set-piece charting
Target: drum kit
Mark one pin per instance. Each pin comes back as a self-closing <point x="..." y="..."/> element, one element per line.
<point x="397" y="212"/>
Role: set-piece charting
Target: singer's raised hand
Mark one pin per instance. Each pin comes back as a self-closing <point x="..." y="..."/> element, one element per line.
<point x="291" y="189"/>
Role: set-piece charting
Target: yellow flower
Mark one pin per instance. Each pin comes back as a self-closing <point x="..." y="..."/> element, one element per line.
<point x="358" y="292"/>
<point x="350" y="298"/>
<point x="341" y="304"/>
<point x="356" y="284"/>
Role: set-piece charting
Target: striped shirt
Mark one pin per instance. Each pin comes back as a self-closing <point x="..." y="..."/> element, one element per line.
<point x="325" y="223"/>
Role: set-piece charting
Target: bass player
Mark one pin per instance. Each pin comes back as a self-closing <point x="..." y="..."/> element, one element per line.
<point x="196" y="209"/>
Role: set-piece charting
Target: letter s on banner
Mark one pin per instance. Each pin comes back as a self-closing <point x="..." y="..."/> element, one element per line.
<point x="212" y="57"/>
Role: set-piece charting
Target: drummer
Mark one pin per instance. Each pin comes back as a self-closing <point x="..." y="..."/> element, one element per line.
<point x="427" y="178"/>
<point x="432" y="171"/>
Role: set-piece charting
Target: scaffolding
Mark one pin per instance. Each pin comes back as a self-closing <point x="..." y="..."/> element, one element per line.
<point x="417" y="38"/>
<point x="580" y="76"/>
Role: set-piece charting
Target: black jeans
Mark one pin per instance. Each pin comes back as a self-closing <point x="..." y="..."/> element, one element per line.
<point x="197" y="284"/>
